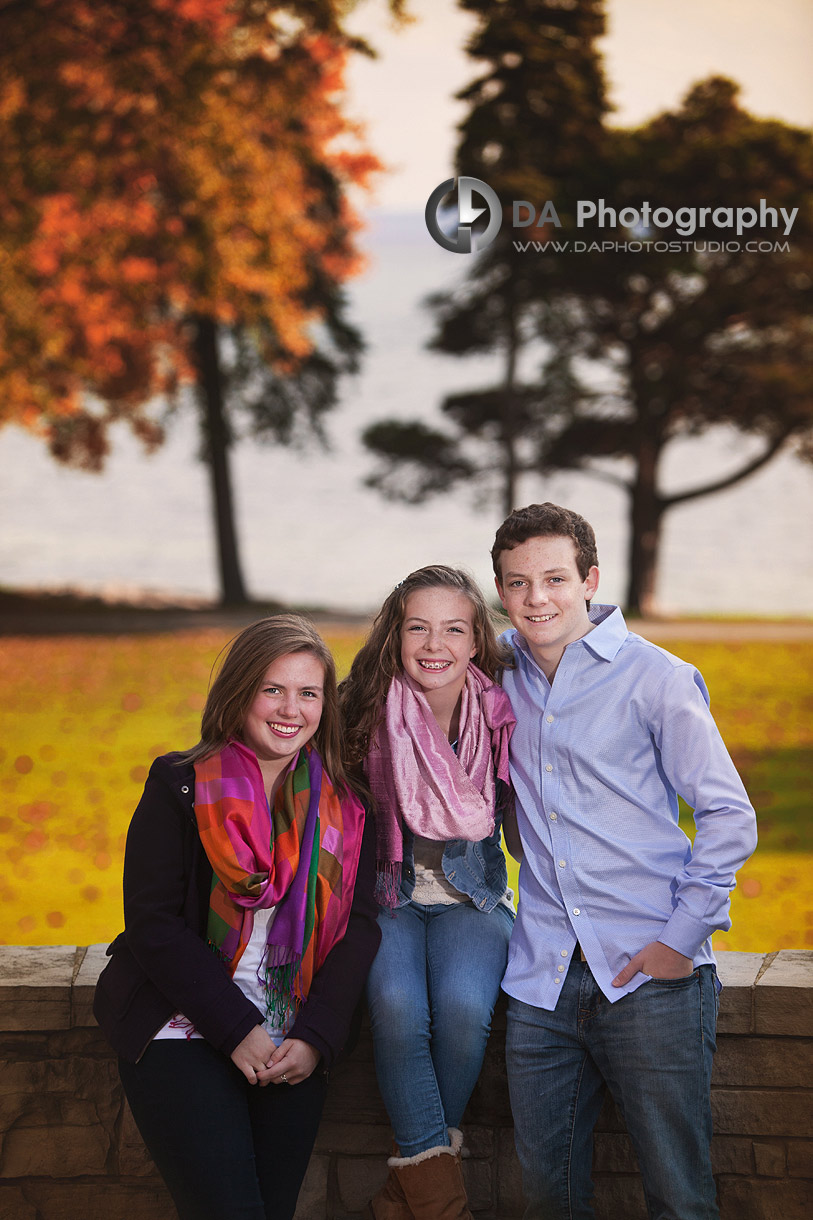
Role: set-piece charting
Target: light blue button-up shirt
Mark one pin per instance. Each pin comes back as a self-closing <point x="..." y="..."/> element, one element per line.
<point x="597" y="760"/>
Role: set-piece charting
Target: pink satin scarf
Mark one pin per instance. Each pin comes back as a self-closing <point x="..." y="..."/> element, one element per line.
<point x="416" y="777"/>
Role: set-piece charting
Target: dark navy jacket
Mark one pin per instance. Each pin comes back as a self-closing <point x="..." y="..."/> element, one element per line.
<point x="161" y="964"/>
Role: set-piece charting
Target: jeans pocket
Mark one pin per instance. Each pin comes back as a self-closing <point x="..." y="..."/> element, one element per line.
<point x="683" y="980"/>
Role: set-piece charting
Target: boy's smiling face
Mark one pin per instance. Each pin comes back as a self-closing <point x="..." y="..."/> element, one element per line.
<point x="545" y="597"/>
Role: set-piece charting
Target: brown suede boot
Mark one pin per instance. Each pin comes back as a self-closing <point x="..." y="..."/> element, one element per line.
<point x="432" y="1182"/>
<point x="389" y="1202"/>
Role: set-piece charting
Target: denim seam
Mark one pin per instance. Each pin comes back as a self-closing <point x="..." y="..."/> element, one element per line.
<point x="572" y="1130"/>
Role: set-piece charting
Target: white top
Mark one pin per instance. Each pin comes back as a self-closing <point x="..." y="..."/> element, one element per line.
<point x="247" y="976"/>
<point x="431" y="883"/>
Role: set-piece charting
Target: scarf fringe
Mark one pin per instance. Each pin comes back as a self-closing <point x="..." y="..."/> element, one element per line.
<point x="282" y="984"/>
<point x="387" y="882"/>
<point x="225" y="958"/>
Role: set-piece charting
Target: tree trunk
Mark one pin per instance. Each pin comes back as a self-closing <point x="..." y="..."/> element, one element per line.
<point x="508" y="423"/>
<point x="216" y="442"/>
<point x="646" y="514"/>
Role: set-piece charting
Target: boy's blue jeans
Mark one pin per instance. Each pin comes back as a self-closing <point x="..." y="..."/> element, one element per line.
<point x="653" y="1048"/>
<point x="431" y="993"/>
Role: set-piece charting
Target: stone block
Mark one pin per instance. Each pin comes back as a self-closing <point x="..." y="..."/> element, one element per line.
<point x="14" y="1205"/>
<point x="800" y="1158"/>
<point x="354" y="1139"/>
<point x="477" y="1177"/>
<point x="101" y="1201"/>
<point x="732" y="1154"/>
<point x="56" y="1116"/>
<point x="783" y="997"/>
<point x="478" y="1141"/>
<point x="354" y="1090"/>
<point x="613" y="1153"/>
<point x="489" y="1101"/>
<point x="779" y="1063"/>
<point x="738" y="974"/>
<point x="84" y="984"/>
<point x="54" y="1152"/>
<point x="35" y="986"/>
<point x="133" y="1159"/>
<point x="619" y="1195"/>
<point x="509" y="1202"/>
<point x="358" y="1179"/>
<point x="312" y="1201"/>
<point x="760" y="1112"/>
<point x="763" y="1199"/>
<point x="770" y="1158"/>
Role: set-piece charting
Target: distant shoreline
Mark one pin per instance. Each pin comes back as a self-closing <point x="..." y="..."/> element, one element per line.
<point x="71" y="612"/>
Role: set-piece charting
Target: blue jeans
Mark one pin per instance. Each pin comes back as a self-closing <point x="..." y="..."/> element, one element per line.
<point x="227" y="1149"/>
<point x="653" y="1048"/>
<point x="431" y="993"/>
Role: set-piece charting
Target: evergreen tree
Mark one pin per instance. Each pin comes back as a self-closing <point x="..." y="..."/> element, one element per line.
<point x="683" y="340"/>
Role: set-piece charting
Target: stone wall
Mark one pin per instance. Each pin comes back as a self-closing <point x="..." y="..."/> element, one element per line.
<point x="69" y="1150"/>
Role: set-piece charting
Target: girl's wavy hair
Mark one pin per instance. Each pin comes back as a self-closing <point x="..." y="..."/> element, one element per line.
<point x="364" y="690"/>
<point x="243" y="665"/>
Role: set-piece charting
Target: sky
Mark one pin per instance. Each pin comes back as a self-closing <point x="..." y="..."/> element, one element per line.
<point x="654" y="50"/>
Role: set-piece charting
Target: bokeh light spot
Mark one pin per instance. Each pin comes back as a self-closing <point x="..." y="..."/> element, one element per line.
<point x="55" y="919"/>
<point x="23" y="764"/>
<point x="138" y="774"/>
<point x="751" y="888"/>
<point x="131" y="702"/>
<point x="27" y="924"/>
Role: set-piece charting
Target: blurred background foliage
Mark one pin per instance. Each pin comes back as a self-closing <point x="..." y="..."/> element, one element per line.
<point x="81" y="719"/>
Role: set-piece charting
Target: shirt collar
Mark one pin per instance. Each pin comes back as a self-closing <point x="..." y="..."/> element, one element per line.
<point x="608" y="634"/>
<point x="609" y="631"/>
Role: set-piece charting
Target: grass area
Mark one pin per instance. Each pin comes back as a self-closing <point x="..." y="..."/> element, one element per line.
<point x="82" y="717"/>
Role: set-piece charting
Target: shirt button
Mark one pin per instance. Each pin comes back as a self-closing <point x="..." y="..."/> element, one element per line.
<point x="563" y="863"/>
<point x="564" y="953"/>
<point x="557" y="981"/>
<point x="553" y="816"/>
<point x="184" y="789"/>
<point x="548" y="767"/>
<point x="577" y="910"/>
<point x="560" y="969"/>
<point x="550" y="719"/>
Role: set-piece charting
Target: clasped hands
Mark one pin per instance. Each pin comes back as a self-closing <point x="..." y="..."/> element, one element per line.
<point x="261" y="1062"/>
<point x="658" y="961"/>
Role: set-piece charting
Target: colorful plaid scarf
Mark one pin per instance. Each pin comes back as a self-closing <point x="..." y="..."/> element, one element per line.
<point x="418" y="779"/>
<point x="302" y="858"/>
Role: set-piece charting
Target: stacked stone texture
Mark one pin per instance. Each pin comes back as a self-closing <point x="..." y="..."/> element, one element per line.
<point x="69" y="1149"/>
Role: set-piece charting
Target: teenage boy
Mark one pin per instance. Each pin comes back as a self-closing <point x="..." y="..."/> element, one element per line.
<point x="611" y="978"/>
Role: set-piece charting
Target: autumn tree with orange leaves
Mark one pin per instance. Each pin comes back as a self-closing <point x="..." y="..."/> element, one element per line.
<point x="173" y="209"/>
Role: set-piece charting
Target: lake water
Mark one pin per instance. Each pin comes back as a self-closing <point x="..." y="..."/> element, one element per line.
<point x="311" y="533"/>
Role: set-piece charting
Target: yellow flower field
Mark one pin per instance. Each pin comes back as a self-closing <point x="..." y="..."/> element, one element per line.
<point x="82" y="717"/>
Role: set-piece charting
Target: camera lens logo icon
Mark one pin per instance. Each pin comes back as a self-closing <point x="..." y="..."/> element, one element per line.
<point x="465" y="240"/>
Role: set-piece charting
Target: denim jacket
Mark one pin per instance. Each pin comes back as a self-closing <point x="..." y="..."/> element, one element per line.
<point x="475" y="869"/>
